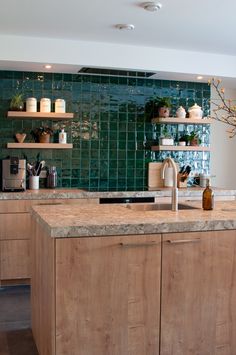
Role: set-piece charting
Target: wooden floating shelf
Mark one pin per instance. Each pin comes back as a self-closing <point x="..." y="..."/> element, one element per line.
<point x="177" y="120"/>
<point x="39" y="145"/>
<point x="179" y="148"/>
<point x="38" y="115"/>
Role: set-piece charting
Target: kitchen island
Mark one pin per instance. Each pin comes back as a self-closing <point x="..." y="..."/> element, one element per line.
<point x="15" y="221"/>
<point x="112" y="281"/>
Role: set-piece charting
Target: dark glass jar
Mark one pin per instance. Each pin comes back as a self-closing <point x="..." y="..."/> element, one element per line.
<point x="52" y="178"/>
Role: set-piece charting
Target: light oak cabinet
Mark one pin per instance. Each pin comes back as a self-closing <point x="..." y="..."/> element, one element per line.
<point x="96" y="296"/>
<point x="198" y="309"/>
<point x="115" y="295"/>
<point x="15" y="237"/>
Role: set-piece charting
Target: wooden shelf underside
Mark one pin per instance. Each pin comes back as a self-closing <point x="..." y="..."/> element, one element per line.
<point x="179" y="148"/>
<point x="177" y="120"/>
<point x="40" y="145"/>
<point x="39" y="115"/>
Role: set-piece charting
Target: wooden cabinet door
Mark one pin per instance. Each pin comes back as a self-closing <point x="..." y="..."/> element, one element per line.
<point x="108" y="295"/>
<point x="15" y="259"/>
<point x="15" y="226"/>
<point x="198" y="311"/>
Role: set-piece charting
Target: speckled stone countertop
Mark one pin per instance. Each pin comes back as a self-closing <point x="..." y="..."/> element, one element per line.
<point x="101" y="220"/>
<point x="76" y="193"/>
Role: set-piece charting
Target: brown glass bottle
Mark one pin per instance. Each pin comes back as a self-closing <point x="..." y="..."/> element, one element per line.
<point x="208" y="197"/>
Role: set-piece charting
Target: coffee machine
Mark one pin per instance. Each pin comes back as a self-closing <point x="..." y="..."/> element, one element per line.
<point x="13" y="174"/>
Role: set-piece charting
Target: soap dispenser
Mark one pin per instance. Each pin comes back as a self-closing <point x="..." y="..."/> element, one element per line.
<point x="208" y="197"/>
<point x="62" y="136"/>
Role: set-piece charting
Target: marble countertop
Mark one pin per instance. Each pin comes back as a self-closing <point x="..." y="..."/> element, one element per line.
<point x="77" y="193"/>
<point x="61" y="221"/>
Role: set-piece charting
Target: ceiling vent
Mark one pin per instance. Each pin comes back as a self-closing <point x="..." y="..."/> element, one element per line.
<point x="115" y="72"/>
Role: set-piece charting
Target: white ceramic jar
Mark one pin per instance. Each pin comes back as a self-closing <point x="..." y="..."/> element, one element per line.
<point x="31" y="104"/>
<point x="60" y="106"/>
<point x="181" y="113"/>
<point x="45" y="105"/>
<point x="195" y="111"/>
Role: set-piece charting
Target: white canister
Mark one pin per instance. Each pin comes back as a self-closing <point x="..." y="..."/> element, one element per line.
<point x="60" y="106"/>
<point x="181" y="113"/>
<point x="195" y="111"/>
<point x="168" y="177"/>
<point x="31" y="104"/>
<point x="34" y="182"/>
<point x="45" y="105"/>
<point x="62" y="137"/>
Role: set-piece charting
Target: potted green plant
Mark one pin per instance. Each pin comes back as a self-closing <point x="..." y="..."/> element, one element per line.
<point x="166" y="138"/>
<point x="158" y="107"/>
<point x="184" y="139"/>
<point x="42" y="134"/>
<point x="194" y="139"/>
<point x="17" y="102"/>
<point x="164" y="106"/>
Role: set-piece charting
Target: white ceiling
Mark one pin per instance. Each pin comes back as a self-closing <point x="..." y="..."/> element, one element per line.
<point x="199" y="26"/>
<point x="202" y="25"/>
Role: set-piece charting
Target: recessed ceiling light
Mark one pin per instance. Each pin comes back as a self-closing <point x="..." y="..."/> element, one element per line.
<point x="48" y="66"/>
<point x="199" y="77"/>
<point x="125" y="26"/>
<point x="152" y="6"/>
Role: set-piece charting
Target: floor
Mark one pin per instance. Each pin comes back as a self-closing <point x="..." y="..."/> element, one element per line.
<point x="15" y="330"/>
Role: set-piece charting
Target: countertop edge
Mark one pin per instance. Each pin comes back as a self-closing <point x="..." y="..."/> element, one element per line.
<point x="80" y="194"/>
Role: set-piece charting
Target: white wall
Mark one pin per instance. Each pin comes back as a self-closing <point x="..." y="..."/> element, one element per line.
<point x="223" y="151"/>
<point x="79" y="53"/>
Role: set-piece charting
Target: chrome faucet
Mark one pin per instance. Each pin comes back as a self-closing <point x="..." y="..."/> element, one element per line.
<point x="174" y="196"/>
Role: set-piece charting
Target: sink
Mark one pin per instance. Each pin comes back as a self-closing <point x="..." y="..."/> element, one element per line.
<point x="158" y="207"/>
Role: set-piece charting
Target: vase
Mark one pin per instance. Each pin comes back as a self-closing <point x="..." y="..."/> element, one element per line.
<point x="44" y="138"/>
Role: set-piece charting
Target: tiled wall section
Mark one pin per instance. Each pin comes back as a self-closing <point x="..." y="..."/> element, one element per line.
<point x="109" y="131"/>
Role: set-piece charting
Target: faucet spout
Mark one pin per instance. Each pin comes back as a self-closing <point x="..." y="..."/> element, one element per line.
<point x="174" y="197"/>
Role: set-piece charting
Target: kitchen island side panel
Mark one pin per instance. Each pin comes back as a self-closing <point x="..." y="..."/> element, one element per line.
<point x="43" y="290"/>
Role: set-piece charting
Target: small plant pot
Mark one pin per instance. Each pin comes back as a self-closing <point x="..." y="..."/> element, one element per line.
<point x="182" y="143"/>
<point x="17" y="108"/>
<point x="163" y="112"/>
<point x="167" y="141"/>
<point x="194" y="142"/>
<point x="44" y="138"/>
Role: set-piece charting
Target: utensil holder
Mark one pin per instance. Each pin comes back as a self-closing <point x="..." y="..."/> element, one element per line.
<point x="181" y="181"/>
<point x="34" y="182"/>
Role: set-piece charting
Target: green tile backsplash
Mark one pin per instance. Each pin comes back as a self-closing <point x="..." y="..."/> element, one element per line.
<point x="110" y="133"/>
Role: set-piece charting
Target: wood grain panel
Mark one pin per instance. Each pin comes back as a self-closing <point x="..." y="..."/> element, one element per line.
<point x="15" y="226"/>
<point x="15" y="259"/>
<point x="199" y="294"/>
<point x="108" y="295"/>
<point x="16" y="206"/>
<point x="43" y="291"/>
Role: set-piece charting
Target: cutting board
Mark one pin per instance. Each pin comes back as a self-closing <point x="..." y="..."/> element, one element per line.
<point x="154" y="175"/>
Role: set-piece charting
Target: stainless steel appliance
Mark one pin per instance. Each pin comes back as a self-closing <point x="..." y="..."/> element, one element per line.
<point x="13" y="174"/>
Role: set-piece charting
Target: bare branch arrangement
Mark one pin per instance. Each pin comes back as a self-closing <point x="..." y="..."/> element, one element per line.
<point x="224" y="110"/>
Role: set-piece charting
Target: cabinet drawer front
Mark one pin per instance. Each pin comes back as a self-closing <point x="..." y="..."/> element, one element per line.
<point x="15" y="226"/>
<point x="15" y="259"/>
<point x="15" y="206"/>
